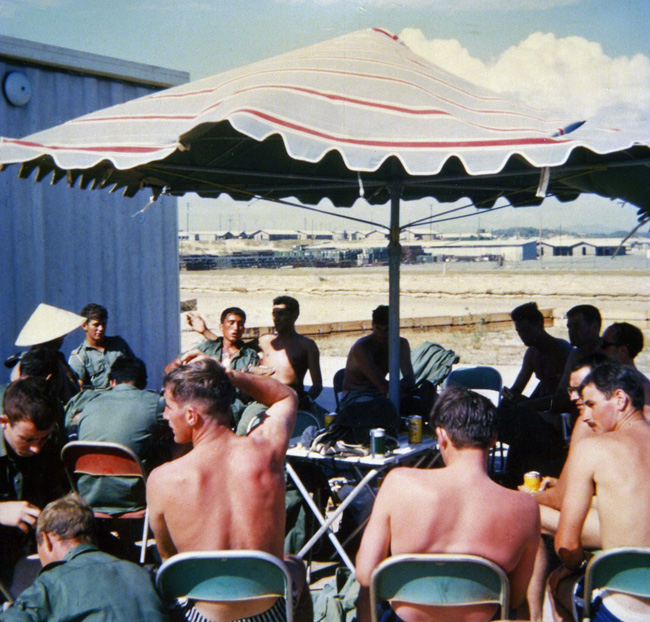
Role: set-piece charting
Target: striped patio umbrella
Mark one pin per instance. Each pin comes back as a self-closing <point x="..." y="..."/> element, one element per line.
<point x="357" y="116"/>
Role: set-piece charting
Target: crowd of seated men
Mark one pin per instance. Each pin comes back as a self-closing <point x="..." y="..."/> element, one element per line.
<point x="212" y="474"/>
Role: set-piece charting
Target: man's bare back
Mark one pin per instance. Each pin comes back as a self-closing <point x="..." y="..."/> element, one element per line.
<point x="457" y="509"/>
<point x="228" y="491"/>
<point x="427" y="514"/>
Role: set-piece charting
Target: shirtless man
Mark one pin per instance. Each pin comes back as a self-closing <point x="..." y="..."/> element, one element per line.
<point x="545" y="355"/>
<point x="235" y="484"/>
<point x="365" y="402"/>
<point x="458" y="509"/>
<point x="615" y="461"/>
<point x="367" y="363"/>
<point x="624" y="341"/>
<point x="291" y="355"/>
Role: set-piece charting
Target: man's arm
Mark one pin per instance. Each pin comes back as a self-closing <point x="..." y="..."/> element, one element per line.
<point x="156" y="500"/>
<point x="405" y="364"/>
<point x="33" y="605"/>
<point x="520" y="576"/>
<point x="576" y="502"/>
<point x="313" y="364"/>
<point x="21" y="514"/>
<point x="197" y="324"/>
<point x="282" y="405"/>
<point x="375" y="545"/>
<point x="524" y="374"/>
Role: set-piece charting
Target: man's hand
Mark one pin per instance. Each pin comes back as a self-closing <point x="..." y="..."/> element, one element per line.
<point x="548" y="482"/>
<point x="196" y="322"/>
<point x="21" y="514"/>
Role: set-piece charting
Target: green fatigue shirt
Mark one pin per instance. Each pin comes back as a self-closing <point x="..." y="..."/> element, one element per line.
<point x="131" y="417"/>
<point x="38" y="479"/>
<point x="245" y="357"/>
<point x="89" y="585"/>
<point x="92" y="365"/>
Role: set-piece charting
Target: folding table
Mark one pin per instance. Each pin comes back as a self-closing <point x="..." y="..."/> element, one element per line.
<point x="364" y="468"/>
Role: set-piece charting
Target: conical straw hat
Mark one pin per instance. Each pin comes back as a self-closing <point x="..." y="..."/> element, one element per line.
<point x="48" y="323"/>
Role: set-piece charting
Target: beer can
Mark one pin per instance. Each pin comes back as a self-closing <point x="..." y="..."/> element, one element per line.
<point x="329" y="419"/>
<point x="377" y="441"/>
<point x="532" y="480"/>
<point x="415" y="429"/>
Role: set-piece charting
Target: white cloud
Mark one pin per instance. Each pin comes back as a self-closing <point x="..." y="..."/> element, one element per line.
<point x="571" y="76"/>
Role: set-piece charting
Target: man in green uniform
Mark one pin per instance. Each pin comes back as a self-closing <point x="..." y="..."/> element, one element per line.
<point x="91" y="361"/>
<point x="31" y="472"/>
<point x="229" y="350"/>
<point x="128" y="415"/>
<point x="79" y="582"/>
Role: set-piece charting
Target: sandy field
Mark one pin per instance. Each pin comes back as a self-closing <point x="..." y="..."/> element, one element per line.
<point x="621" y="291"/>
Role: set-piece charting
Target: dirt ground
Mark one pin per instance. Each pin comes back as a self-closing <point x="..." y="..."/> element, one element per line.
<point x="325" y="295"/>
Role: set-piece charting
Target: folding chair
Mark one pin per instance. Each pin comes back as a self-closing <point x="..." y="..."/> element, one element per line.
<point x="102" y="459"/>
<point x="439" y="579"/>
<point x="225" y="576"/>
<point x="337" y="383"/>
<point x="484" y="380"/>
<point x="625" y="570"/>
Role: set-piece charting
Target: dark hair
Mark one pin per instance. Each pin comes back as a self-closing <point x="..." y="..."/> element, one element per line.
<point x="589" y="313"/>
<point x="129" y="369"/>
<point x="32" y="399"/>
<point x="528" y="312"/>
<point x="93" y="311"/>
<point x="290" y="303"/>
<point x="468" y="417"/>
<point x="611" y="376"/>
<point x="39" y="361"/>
<point x="592" y="361"/>
<point x="380" y="315"/>
<point x="70" y="518"/>
<point x="235" y="311"/>
<point x="629" y="336"/>
<point x="202" y="381"/>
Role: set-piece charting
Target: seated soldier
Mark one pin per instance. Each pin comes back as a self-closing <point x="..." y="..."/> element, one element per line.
<point x="229" y="349"/>
<point x="288" y="356"/>
<point x="624" y="342"/>
<point x="129" y="415"/>
<point x="457" y="509"/>
<point x="228" y="491"/>
<point x="78" y="581"/>
<point x="545" y="356"/>
<point x="615" y="463"/>
<point x="31" y="472"/>
<point x="365" y="402"/>
<point x="91" y="360"/>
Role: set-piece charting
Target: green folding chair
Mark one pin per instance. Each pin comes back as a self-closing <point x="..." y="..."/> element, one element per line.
<point x="625" y="570"/>
<point x="225" y="576"/>
<point x="439" y="579"/>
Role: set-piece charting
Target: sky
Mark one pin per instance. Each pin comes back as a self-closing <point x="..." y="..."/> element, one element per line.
<point x="577" y="58"/>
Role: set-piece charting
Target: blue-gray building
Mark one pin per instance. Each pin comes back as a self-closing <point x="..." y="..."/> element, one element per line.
<point x="66" y="246"/>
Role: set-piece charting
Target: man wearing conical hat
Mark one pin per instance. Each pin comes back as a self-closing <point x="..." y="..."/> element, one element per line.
<point x="46" y="328"/>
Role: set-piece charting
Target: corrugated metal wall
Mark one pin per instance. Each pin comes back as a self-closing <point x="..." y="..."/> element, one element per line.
<point x="68" y="247"/>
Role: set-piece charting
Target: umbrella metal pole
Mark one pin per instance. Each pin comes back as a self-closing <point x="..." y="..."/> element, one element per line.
<point x="394" y="259"/>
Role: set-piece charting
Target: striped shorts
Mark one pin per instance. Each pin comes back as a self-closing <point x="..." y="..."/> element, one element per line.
<point x="185" y="612"/>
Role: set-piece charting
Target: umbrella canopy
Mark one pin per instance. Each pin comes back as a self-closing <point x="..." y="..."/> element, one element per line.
<point x="360" y="115"/>
<point x="336" y="119"/>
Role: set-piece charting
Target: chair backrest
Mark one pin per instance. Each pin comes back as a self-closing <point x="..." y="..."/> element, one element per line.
<point x="305" y="419"/>
<point x="440" y="579"/>
<point x="481" y="377"/>
<point x="337" y="381"/>
<point x="100" y="459"/>
<point x="225" y="576"/>
<point x="625" y="570"/>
